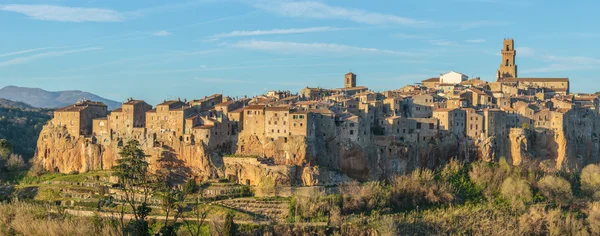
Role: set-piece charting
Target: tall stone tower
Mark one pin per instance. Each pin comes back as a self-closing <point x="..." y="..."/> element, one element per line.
<point x="350" y="80"/>
<point x="508" y="67"/>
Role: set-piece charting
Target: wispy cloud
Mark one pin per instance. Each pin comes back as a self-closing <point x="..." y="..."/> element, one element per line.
<point x="569" y="63"/>
<point x="162" y="33"/>
<point x="311" y="48"/>
<point x="87" y="14"/>
<point x="412" y="36"/>
<point x="480" y="24"/>
<point x="26" y="59"/>
<point x="65" y="14"/>
<point x="442" y="42"/>
<point x="507" y="2"/>
<point x="525" y="51"/>
<point x="221" y="80"/>
<point x="25" y="51"/>
<point x="475" y="40"/>
<point x="276" y="32"/>
<point x="319" y="10"/>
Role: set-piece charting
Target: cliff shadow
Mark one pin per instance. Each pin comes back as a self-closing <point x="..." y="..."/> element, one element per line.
<point x="172" y="169"/>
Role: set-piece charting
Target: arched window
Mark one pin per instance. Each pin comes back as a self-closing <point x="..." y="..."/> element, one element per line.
<point x="506" y="62"/>
<point x="507" y="47"/>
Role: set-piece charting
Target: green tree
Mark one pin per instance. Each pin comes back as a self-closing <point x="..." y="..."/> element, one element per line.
<point x="5" y="148"/>
<point x="132" y="171"/>
<point x="228" y="225"/>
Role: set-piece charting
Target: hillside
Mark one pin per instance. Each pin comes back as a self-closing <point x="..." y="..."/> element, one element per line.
<point x="21" y="124"/>
<point x="5" y="103"/>
<point x="47" y="99"/>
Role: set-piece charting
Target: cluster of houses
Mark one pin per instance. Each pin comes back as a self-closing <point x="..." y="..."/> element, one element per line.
<point x="451" y="104"/>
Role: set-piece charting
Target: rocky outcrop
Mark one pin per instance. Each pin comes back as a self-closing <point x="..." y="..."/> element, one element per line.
<point x="298" y="160"/>
<point x="60" y="152"/>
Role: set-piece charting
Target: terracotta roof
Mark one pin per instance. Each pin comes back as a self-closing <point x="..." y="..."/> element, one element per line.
<point x="443" y="109"/>
<point x="255" y="107"/>
<point x="237" y="110"/>
<point x="133" y="102"/>
<point x="306" y="102"/>
<point x="535" y="80"/>
<point x="80" y="106"/>
<point x="321" y="111"/>
<point x="225" y="103"/>
<point x="278" y="108"/>
<point x="434" y="79"/>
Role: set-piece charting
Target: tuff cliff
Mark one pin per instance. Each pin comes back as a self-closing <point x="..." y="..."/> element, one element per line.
<point x="301" y="161"/>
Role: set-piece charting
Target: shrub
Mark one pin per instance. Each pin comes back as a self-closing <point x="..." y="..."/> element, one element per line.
<point x="15" y="162"/>
<point x="489" y="177"/>
<point x="593" y="217"/>
<point x="364" y="197"/>
<point x="556" y="189"/>
<point x="267" y="185"/>
<point x="419" y="188"/>
<point x="590" y="180"/>
<point x="517" y="191"/>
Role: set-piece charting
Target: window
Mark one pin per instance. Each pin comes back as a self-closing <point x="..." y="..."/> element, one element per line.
<point x="506" y="60"/>
<point x="431" y="126"/>
<point x="351" y="132"/>
<point x="507" y="47"/>
<point x="418" y="125"/>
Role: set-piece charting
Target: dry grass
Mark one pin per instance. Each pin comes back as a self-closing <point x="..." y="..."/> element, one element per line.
<point x="30" y="219"/>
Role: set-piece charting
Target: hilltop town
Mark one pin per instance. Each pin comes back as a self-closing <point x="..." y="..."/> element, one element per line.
<point x="322" y="136"/>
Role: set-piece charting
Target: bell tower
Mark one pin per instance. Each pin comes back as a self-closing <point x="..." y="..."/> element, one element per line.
<point x="350" y="80"/>
<point x="508" y="67"/>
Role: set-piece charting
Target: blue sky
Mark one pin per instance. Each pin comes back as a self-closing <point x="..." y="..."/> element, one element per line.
<point x="159" y="49"/>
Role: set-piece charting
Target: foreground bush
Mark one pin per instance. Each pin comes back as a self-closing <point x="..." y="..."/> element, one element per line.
<point x="418" y="189"/>
<point x="489" y="177"/>
<point x="29" y="219"/>
<point x="590" y="180"/>
<point x="364" y="197"/>
<point x="517" y="191"/>
<point x="556" y="189"/>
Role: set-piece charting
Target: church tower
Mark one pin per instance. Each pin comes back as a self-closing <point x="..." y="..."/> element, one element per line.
<point x="508" y="68"/>
<point x="350" y="80"/>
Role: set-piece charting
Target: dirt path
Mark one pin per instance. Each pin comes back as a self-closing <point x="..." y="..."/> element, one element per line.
<point x="128" y="216"/>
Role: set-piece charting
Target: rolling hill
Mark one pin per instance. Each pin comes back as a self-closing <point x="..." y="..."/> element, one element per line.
<point x="37" y="97"/>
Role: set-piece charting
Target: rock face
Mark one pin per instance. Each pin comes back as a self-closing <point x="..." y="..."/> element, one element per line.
<point x="302" y="161"/>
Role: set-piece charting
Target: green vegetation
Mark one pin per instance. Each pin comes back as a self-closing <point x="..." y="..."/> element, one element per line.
<point x="461" y="199"/>
<point x="21" y="127"/>
<point x="456" y="199"/>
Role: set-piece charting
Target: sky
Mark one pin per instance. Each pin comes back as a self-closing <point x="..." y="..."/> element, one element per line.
<point x="165" y="49"/>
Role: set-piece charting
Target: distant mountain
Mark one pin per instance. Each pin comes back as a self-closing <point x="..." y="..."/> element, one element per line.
<point x="46" y="99"/>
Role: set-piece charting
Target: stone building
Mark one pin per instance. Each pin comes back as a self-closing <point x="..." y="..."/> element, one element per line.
<point x="452" y="120"/>
<point x="420" y="106"/>
<point x="277" y="121"/>
<point x="452" y="77"/>
<point x="474" y="123"/>
<point x="207" y="102"/>
<point x="77" y="118"/>
<point x="349" y="80"/>
<point x="167" y="121"/>
<point x="128" y="121"/>
<point x="508" y="67"/>
<point x="254" y="119"/>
